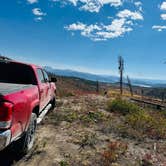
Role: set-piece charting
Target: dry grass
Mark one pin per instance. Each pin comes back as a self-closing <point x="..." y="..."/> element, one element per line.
<point x="82" y="132"/>
<point x="114" y="151"/>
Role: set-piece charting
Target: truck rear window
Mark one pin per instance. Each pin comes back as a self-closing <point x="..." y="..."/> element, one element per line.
<point x="11" y="72"/>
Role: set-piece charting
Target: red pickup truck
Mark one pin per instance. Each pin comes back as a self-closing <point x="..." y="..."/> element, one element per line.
<point x="26" y="95"/>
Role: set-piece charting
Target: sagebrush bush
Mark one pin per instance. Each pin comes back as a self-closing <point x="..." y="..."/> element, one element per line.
<point x="138" y="121"/>
<point x="113" y="152"/>
<point x="122" y="106"/>
<point x="153" y="126"/>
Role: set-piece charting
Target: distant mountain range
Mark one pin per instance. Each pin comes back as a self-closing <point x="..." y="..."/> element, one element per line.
<point x="105" y="78"/>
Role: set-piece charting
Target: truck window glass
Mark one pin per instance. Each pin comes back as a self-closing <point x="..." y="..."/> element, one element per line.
<point x="46" y="76"/>
<point x="16" y="73"/>
<point x="40" y="75"/>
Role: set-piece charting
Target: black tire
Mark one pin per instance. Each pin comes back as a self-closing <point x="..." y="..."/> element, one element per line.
<point x="26" y="142"/>
<point x="53" y="103"/>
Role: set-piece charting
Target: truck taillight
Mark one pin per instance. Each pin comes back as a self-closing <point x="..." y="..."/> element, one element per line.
<point x="6" y="109"/>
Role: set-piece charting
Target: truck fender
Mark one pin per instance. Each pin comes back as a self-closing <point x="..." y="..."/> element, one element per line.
<point x="34" y="109"/>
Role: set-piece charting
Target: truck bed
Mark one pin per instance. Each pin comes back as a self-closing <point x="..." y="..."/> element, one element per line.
<point x="7" y="88"/>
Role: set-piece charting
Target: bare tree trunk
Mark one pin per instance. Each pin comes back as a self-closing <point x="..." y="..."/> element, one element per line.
<point x="121" y="69"/>
<point x="130" y="86"/>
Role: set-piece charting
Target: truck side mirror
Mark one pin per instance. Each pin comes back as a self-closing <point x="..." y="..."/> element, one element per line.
<point x="53" y="79"/>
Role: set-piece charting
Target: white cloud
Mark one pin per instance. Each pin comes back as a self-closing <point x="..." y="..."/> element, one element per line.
<point x="92" y="5"/>
<point x="99" y="32"/>
<point x="138" y="4"/>
<point x="123" y="23"/>
<point x="38" y="19"/>
<point x="163" y="16"/>
<point x="73" y="1"/>
<point x="96" y="5"/>
<point x="38" y="12"/>
<point x="128" y="14"/>
<point x="32" y="1"/>
<point x="78" y="26"/>
<point x="159" y="28"/>
<point x="163" y="6"/>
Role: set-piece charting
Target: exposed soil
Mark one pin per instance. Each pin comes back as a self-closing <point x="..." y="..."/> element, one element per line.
<point x="80" y="132"/>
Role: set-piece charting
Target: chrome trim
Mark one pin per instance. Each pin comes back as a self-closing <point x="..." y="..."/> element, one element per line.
<point x="43" y="113"/>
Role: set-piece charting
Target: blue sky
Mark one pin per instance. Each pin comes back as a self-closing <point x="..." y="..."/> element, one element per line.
<point x="87" y="35"/>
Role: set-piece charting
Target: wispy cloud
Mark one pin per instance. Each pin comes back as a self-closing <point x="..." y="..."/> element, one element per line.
<point x="163" y="16"/>
<point x="139" y="4"/>
<point x="129" y="14"/>
<point x="92" y="5"/>
<point x="101" y="32"/>
<point x="121" y="23"/>
<point x="163" y="6"/>
<point x="38" y="13"/>
<point x="159" y="27"/>
<point x="32" y="1"/>
<point x="38" y="19"/>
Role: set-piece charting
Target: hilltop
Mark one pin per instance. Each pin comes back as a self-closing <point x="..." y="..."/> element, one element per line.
<point x="93" y="128"/>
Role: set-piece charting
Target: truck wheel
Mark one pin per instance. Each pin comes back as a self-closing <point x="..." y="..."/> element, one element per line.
<point x="25" y="143"/>
<point x="53" y="102"/>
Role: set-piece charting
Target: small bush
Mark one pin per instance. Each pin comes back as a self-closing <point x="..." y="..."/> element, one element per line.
<point x="71" y="117"/>
<point x="88" y="140"/>
<point x="122" y="106"/>
<point x="113" y="152"/>
<point x="153" y="126"/>
<point x="63" y="163"/>
<point x="92" y="117"/>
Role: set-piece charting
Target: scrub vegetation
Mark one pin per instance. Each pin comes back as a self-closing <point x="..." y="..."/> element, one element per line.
<point x="88" y="128"/>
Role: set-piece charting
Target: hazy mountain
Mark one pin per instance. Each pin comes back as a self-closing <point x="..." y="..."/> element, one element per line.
<point x="105" y="78"/>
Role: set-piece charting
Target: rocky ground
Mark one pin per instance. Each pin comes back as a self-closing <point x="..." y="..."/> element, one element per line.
<point x="81" y="132"/>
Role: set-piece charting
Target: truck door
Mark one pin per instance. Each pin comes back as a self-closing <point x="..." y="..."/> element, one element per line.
<point x="48" y="92"/>
<point x="43" y="88"/>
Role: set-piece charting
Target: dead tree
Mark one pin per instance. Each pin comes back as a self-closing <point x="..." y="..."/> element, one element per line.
<point x="142" y="93"/>
<point x="130" y="86"/>
<point x="162" y="97"/>
<point x="121" y="69"/>
<point x="97" y="86"/>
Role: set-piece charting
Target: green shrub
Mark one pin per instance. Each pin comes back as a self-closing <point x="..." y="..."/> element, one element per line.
<point x="140" y="119"/>
<point x="122" y="106"/>
<point x="137" y="122"/>
<point x="88" y="140"/>
<point x="63" y="163"/>
<point x="153" y="126"/>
